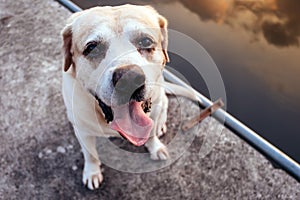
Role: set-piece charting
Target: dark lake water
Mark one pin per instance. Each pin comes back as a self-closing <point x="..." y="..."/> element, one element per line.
<point x="255" y="45"/>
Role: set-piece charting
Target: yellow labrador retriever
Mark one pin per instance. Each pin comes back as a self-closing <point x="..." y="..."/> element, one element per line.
<point x="112" y="80"/>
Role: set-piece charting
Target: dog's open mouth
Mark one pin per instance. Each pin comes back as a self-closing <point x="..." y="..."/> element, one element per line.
<point x="130" y="120"/>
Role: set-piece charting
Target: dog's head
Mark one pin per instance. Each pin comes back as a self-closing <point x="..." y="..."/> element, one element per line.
<point x="118" y="53"/>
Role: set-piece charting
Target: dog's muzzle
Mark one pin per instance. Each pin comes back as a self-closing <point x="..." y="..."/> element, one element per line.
<point x="129" y="107"/>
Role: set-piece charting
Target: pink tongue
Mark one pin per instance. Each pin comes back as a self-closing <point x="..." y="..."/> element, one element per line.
<point x="132" y="123"/>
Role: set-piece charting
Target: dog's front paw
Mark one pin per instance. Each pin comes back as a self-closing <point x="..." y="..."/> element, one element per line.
<point x="160" y="154"/>
<point x="92" y="176"/>
<point x="158" y="151"/>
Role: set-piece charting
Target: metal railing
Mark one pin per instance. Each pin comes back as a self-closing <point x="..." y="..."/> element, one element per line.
<point x="272" y="153"/>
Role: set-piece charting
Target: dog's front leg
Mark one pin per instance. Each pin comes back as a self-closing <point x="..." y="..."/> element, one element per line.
<point x="159" y="111"/>
<point x="92" y="176"/>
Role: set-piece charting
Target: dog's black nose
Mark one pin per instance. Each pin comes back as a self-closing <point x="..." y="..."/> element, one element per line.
<point x="128" y="78"/>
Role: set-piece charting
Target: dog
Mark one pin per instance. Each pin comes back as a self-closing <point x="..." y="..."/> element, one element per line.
<point x="113" y="82"/>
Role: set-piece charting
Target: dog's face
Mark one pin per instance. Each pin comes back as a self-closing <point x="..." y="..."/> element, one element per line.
<point x="118" y="53"/>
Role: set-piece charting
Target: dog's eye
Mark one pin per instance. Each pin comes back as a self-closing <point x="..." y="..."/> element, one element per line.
<point x="145" y="43"/>
<point x="89" y="48"/>
<point x="94" y="49"/>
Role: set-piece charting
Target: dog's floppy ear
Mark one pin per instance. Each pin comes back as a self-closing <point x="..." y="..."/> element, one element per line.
<point x="164" y="42"/>
<point x="67" y="41"/>
<point x="67" y="44"/>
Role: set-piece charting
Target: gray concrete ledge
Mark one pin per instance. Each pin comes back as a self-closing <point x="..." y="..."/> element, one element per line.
<point x="41" y="159"/>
